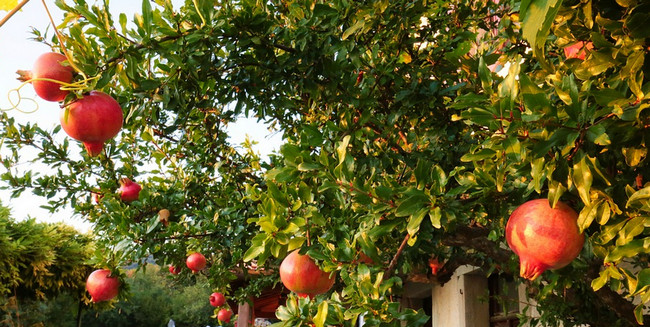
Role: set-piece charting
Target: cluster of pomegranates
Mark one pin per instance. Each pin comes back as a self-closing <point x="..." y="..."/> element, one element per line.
<point x="93" y="119"/>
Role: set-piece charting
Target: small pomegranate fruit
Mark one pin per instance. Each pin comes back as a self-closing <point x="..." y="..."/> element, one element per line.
<point x="578" y="50"/>
<point x="224" y="315"/>
<point x="543" y="237"/>
<point x="300" y="274"/>
<point x="196" y="262"/>
<point x="101" y="286"/>
<point x="174" y="270"/>
<point x="129" y="190"/>
<point x="217" y="299"/>
<point x="163" y="217"/>
<point x="49" y="65"/>
<point x="435" y="266"/>
<point x="93" y="120"/>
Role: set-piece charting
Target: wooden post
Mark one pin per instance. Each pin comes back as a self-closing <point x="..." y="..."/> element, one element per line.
<point x="245" y="315"/>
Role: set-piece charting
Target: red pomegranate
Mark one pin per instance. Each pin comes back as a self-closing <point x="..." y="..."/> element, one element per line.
<point x="93" y="120"/>
<point x="578" y="50"/>
<point x="435" y="265"/>
<point x="102" y="286"/>
<point x="49" y="65"/>
<point x="300" y="274"/>
<point x="196" y="262"/>
<point x="174" y="270"/>
<point x="543" y="237"/>
<point x="129" y="190"/>
<point x="224" y="315"/>
<point x="217" y="299"/>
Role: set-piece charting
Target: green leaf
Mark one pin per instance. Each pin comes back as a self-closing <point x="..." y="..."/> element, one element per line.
<point x="643" y="281"/>
<point x="582" y="179"/>
<point x="342" y="149"/>
<point x="321" y="316"/>
<point x="634" y="156"/>
<point x="597" y="134"/>
<point x="629" y="250"/>
<point x="415" y="221"/>
<point x="641" y="196"/>
<point x="478" y="155"/>
<point x="587" y="215"/>
<point x="435" y="216"/>
<point x="353" y="29"/>
<point x="637" y="22"/>
<point x="411" y="205"/>
<point x="537" y="18"/>
<point x="253" y="252"/>
<point x="146" y="16"/>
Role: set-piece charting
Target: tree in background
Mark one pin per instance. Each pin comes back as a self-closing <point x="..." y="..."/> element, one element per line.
<point x="39" y="261"/>
<point x="401" y="143"/>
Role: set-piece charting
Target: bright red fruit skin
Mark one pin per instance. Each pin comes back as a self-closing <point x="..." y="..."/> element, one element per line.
<point x="300" y="274"/>
<point x="174" y="270"/>
<point x="224" y="315"/>
<point x="196" y="262"/>
<point x="93" y="120"/>
<point x="435" y="266"/>
<point x="578" y="50"/>
<point x="101" y="286"/>
<point x="543" y="237"/>
<point x="129" y="191"/>
<point x="217" y="299"/>
<point x="48" y="65"/>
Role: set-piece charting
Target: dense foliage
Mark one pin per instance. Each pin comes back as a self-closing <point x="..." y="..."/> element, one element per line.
<point x="39" y="261"/>
<point x="154" y="300"/>
<point x="401" y="142"/>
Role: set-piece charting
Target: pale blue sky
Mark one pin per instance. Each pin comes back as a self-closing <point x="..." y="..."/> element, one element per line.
<point x="17" y="51"/>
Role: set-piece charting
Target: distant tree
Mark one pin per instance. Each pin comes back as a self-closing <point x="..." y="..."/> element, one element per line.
<point x="39" y="261"/>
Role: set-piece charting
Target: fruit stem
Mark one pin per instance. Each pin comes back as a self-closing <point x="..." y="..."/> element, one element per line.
<point x="60" y="38"/>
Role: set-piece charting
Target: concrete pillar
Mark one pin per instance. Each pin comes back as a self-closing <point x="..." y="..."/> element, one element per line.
<point x="461" y="302"/>
<point x="244" y="315"/>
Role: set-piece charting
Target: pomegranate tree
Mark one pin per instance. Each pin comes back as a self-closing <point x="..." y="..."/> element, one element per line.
<point x="129" y="190"/>
<point x="300" y="274"/>
<point x="93" y="120"/>
<point x="102" y="286"/>
<point x="196" y="262"/>
<point x="49" y="66"/>
<point x="543" y="237"/>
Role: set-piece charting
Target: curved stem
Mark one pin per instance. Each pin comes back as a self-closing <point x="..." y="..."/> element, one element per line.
<point x="196" y="6"/>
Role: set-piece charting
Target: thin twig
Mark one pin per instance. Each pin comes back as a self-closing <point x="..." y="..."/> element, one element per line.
<point x="393" y="263"/>
<point x="13" y="11"/>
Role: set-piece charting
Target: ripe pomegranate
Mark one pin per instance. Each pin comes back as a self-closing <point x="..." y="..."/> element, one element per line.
<point x="48" y="65"/>
<point x="578" y="50"/>
<point x="300" y="274"/>
<point x="217" y="299"/>
<point x="174" y="270"/>
<point x="543" y="237"/>
<point x="224" y="315"/>
<point x="129" y="190"/>
<point x="101" y="286"/>
<point x="196" y="262"/>
<point x="93" y="120"/>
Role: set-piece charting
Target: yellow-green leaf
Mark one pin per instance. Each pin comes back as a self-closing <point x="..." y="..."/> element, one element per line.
<point x="8" y="5"/>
